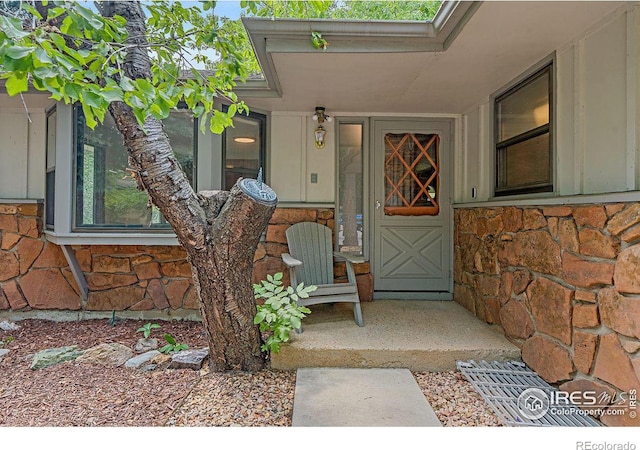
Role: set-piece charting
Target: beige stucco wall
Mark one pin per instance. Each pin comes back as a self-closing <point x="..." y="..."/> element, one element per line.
<point x="597" y="118"/>
<point x="22" y="146"/>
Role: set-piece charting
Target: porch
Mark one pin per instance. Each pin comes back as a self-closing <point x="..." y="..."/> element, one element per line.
<point x="417" y="334"/>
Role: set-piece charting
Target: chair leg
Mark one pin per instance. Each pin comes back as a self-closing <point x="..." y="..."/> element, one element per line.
<point x="357" y="312"/>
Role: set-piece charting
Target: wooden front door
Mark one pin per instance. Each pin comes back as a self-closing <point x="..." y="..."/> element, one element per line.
<point x="411" y="206"/>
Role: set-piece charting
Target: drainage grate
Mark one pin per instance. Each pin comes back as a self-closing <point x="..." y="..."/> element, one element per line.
<point x="520" y="397"/>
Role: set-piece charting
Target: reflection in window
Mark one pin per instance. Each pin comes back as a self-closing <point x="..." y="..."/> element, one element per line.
<point x="50" y="180"/>
<point x="106" y="191"/>
<point x="244" y="146"/>
<point x="523" y="143"/>
<point x="350" y="222"/>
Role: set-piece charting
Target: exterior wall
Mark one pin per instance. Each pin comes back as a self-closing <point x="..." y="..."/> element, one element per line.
<point x="563" y="283"/>
<point x="34" y="274"/>
<point x="22" y="149"/>
<point x="596" y="130"/>
<point x="293" y="158"/>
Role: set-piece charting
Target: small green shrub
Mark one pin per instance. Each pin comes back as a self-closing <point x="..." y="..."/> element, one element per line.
<point x="146" y="329"/>
<point x="280" y="312"/>
<point x="7" y="340"/>
<point x="172" y="345"/>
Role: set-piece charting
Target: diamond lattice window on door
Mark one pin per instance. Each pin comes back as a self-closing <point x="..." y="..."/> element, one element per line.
<point x="411" y="174"/>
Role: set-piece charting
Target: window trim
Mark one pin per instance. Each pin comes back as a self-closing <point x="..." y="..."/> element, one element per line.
<point x="50" y="196"/>
<point x="162" y="229"/>
<point x="548" y="65"/>
<point x="262" y="119"/>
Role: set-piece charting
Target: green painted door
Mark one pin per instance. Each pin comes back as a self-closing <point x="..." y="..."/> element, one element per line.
<point x="411" y="205"/>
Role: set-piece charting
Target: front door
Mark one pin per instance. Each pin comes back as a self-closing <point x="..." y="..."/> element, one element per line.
<point x="411" y="206"/>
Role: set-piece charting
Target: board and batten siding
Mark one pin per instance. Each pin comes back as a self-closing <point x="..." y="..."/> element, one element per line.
<point x="597" y="121"/>
<point x="22" y="147"/>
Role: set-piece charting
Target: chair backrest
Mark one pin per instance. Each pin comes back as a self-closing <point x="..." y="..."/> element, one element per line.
<point x="311" y="243"/>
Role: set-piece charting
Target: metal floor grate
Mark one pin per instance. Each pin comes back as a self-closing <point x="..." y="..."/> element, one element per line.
<point x="501" y="385"/>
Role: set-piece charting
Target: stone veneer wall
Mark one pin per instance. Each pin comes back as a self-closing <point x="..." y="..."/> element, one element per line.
<point x="563" y="282"/>
<point x="34" y="274"/>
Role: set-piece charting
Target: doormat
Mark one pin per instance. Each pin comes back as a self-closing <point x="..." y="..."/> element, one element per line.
<point x="521" y="398"/>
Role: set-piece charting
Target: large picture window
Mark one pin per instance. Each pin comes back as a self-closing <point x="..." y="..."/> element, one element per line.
<point x="106" y="192"/>
<point x="523" y="124"/>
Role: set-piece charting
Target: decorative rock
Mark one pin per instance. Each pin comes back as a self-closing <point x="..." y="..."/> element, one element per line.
<point x="109" y="264"/>
<point x="175" y="291"/>
<point x="3" y="352"/>
<point x="533" y="249"/>
<point x="551" y="361"/>
<point x="9" y="240"/>
<point x="585" y="296"/>
<point x="14" y="296"/>
<point x="116" y="299"/>
<point x="189" y="359"/>
<point x="515" y="320"/>
<point x="164" y="253"/>
<point x="602" y="391"/>
<point x="551" y="308"/>
<point x="532" y="219"/>
<point x="465" y="296"/>
<point x="48" y="289"/>
<point x="584" y="350"/>
<point x="632" y="235"/>
<point x="592" y="215"/>
<point x="521" y="279"/>
<point x="147" y="271"/>
<point x="552" y="224"/>
<point x="568" y="235"/>
<point x="177" y="269"/>
<point x="53" y="356"/>
<point x="9" y="266"/>
<point x="108" y="355"/>
<point x="137" y="361"/>
<point x="586" y="274"/>
<point x="627" y="275"/>
<point x="8" y="326"/>
<point x="614" y="208"/>
<point x="506" y="285"/>
<point x="629" y="345"/>
<point x="4" y="303"/>
<point x="492" y="310"/>
<point x="585" y="316"/>
<point x="156" y="292"/>
<point x="620" y="313"/>
<point x="295" y="215"/>
<point x="613" y="364"/>
<point x="103" y="281"/>
<point x="625" y="219"/>
<point x="144" y="345"/>
<point x="512" y="219"/>
<point x="557" y="211"/>
<point x="594" y="243"/>
<point x="191" y="300"/>
<point x="28" y="250"/>
<point x="28" y="226"/>
<point x="51" y="256"/>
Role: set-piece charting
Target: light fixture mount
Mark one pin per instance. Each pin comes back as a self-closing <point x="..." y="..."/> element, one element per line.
<point x="320" y="116"/>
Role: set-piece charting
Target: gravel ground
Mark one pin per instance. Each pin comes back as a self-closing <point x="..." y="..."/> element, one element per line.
<point x="72" y="394"/>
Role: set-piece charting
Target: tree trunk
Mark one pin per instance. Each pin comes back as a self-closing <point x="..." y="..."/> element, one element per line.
<point x="219" y="230"/>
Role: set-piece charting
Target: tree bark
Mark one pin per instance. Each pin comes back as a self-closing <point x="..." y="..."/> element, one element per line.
<point x="219" y="230"/>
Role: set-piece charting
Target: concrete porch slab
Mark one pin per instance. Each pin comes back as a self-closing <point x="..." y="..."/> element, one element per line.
<point x="360" y="397"/>
<point x="413" y="334"/>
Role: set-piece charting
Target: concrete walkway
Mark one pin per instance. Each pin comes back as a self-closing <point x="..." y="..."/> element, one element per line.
<point x="342" y="397"/>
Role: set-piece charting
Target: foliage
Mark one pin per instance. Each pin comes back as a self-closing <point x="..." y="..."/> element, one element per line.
<point x="280" y="312"/>
<point x="146" y="329"/>
<point x="386" y="10"/>
<point x="76" y="55"/>
<point x="172" y="345"/>
<point x="114" y="320"/>
<point x="6" y="340"/>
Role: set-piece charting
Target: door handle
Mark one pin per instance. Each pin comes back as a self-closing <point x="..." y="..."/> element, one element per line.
<point x="378" y="204"/>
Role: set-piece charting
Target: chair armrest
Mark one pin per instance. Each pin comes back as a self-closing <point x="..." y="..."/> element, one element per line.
<point x="290" y="261"/>
<point x="350" y="258"/>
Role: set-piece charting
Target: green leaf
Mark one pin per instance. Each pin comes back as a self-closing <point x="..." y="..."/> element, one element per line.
<point x="17" y="83"/>
<point x="12" y="27"/>
<point x="170" y="339"/>
<point x="18" y="52"/>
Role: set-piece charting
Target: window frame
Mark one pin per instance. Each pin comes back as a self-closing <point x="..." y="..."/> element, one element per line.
<point x="262" y="120"/>
<point x="546" y="67"/>
<point x="162" y="228"/>
<point x="50" y="169"/>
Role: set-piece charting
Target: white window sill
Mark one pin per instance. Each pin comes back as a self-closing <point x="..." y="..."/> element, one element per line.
<point x="111" y="238"/>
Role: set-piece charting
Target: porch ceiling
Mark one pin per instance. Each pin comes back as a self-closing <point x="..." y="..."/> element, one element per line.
<point x="499" y="42"/>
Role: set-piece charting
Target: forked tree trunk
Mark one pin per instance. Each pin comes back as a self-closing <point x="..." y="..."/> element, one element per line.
<point x="219" y="230"/>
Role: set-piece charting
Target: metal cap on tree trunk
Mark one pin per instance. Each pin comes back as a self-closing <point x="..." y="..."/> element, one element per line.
<point x="258" y="191"/>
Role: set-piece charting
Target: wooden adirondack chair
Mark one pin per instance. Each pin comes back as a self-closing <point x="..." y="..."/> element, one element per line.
<point x="310" y="261"/>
